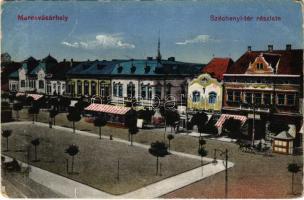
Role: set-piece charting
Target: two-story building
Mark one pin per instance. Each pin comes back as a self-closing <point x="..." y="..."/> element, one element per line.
<point x="26" y="80"/>
<point x="265" y="85"/>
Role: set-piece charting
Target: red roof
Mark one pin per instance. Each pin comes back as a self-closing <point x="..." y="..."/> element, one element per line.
<point x="217" y="67"/>
<point x="290" y="61"/>
<point x="223" y="118"/>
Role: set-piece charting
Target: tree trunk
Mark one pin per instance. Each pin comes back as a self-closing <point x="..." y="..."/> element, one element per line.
<point x="54" y="121"/>
<point x="17" y="115"/>
<point x="169" y="145"/>
<point x="100" y="132"/>
<point x="292" y="180"/>
<point x="72" y="164"/>
<point x="73" y="127"/>
<point x="36" y="115"/>
<point x="131" y="139"/>
<point x="202" y="165"/>
<point x="33" y="119"/>
<point x="156" y="165"/>
<point x="7" y="144"/>
<point x="35" y="152"/>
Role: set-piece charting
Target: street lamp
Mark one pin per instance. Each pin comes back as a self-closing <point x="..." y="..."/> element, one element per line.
<point x="226" y="166"/>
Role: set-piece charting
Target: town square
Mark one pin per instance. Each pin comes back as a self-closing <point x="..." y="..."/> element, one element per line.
<point x="143" y="100"/>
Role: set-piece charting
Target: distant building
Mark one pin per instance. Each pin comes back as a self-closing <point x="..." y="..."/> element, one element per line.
<point x="26" y="81"/>
<point x="268" y="82"/>
<point x="5" y="57"/>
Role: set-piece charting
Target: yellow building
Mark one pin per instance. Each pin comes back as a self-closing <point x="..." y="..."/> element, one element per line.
<point x="205" y="93"/>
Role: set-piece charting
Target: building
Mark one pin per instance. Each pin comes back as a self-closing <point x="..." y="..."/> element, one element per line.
<point x="205" y="91"/>
<point x="8" y="80"/>
<point x="26" y="81"/>
<point x="265" y="85"/>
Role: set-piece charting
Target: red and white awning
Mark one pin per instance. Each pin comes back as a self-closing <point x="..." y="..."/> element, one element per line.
<point x="119" y="110"/>
<point x="35" y="96"/>
<point x="223" y="118"/>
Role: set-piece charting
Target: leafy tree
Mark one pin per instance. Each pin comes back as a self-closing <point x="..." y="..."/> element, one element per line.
<point x="172" y="117"/>
<point x="158" y="149"/>
<point x="6" y="134"/>
<point x="232" y="127"/>
<point x="81" y="105"/>
<point x="74" y="116"/>
<point x="53" y="114"/>
<point x="146" y="115"/>
<point x="199" y="119"/>
<point x="72" y="150"/>
<point x="99" y="122"/>
<point x="277" y="126"/>
<point x="29" y="100"/>
<point x="64" y="103"/>
<point x="293" y="168"/>
<point x="34" y="111"/>
<point x="131" y="122"/>
<point x="170" y="137"/>
<point x="17" y="107"/>
<point x="35" y="143"/>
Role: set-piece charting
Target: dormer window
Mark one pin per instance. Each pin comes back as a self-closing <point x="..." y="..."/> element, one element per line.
<point x="260" y="66"/>
<point x="119" y="69"/>
<point x="147" y="69"/>
<point x="133" y="69"/>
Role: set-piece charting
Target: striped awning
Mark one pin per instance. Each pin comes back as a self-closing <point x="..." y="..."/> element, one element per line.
<point x="119" y="110"/>
<point x="223" y="118"/>
<point x="35" y="96"/>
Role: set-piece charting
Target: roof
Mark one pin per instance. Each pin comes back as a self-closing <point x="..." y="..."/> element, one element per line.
<point x="217" y="67"/>
<point x="283" y="135"/>
<point x="30" y="64"/>
<point x="14" y="75"/>
<point x="58" y="71"/>
<point x="289" y="61"/>
<point x="119" y="110"/>
<point x="49" y="59"/>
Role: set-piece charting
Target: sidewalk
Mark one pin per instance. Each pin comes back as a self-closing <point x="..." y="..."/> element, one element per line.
<point x="151" y="191"/>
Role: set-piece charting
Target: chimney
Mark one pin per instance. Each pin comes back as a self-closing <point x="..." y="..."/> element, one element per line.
<point x="171" y="59"/>
<point x="288" y="47"/>
<point x="270" y="47"/>
<point x="249" y="48"/>
<point x="71" y="62"/>
<point x="88" y="60"/>
<point x="64" y="60"/>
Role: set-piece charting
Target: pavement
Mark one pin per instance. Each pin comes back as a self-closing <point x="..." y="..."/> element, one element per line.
<point x="151" y="191"/>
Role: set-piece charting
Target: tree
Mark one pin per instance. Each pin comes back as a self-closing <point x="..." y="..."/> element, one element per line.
<point x="53" y="114"/>
<point x="293" y="168"/>
<point x="74" y="116"/>
<point x="158" y="149"/>
<point x="199" y="119"/>
<point x="34" y="111"/>
<point x="201" y="150"/>
<point x="131" y="122"/>
<point x="172" y="118"/>
<point x="72" y="150"/>
<point x="99" y="122"/>
<point x="35" y="143"/>
<point x="146" y="115"/>
<point x="17" y="107"/>
<point x="29" y="100"/>
<point x="64" y="103"/>
<point x="132" y="131"/>
<point x="170" y="137"/>
<point x="277" y="126"/>
<point x="6" y="134"/>
<point x="232" y="127"/>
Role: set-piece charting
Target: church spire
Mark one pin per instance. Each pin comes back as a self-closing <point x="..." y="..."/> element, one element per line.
<point x="158" y="57"/>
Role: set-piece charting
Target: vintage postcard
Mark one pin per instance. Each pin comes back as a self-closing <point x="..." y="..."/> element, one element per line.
<point x="143" y="99"/>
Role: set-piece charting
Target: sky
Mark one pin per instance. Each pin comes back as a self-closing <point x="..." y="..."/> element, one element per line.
<point x="130" y="29"/>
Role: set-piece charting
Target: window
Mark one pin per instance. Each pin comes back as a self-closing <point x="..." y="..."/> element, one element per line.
<point x="290" y="99"/>
<point x="168" y="89"/>
<point x="41" y="84"/>
<point x="196" y="96"/>
<point x="22" y="83"/>
<point x="258" y="98"/>
<point x="104" y="89"/>
<point x="144" y="91"/>
<point x="230" y="96"/>
<point x="93" y="88"/>
<point x="120" y="90"/>
<point x="260" y="66"/>
<point x="158" y="91"/>
<point x="131" y="90"/>
<point x="86" y="88"/>
<point x="79" y="87"/>
<point x="149" y="92"/>
<point x="281" y="99"/>
<point x="31" y="84"/>
<point x="48" y="88"/>
<point x="267" y="99"/>
<point x="248" y="98"/>
<point x="212" y="97"/>
<point x="115" y="91"/>
<point x="237" y="96"/>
